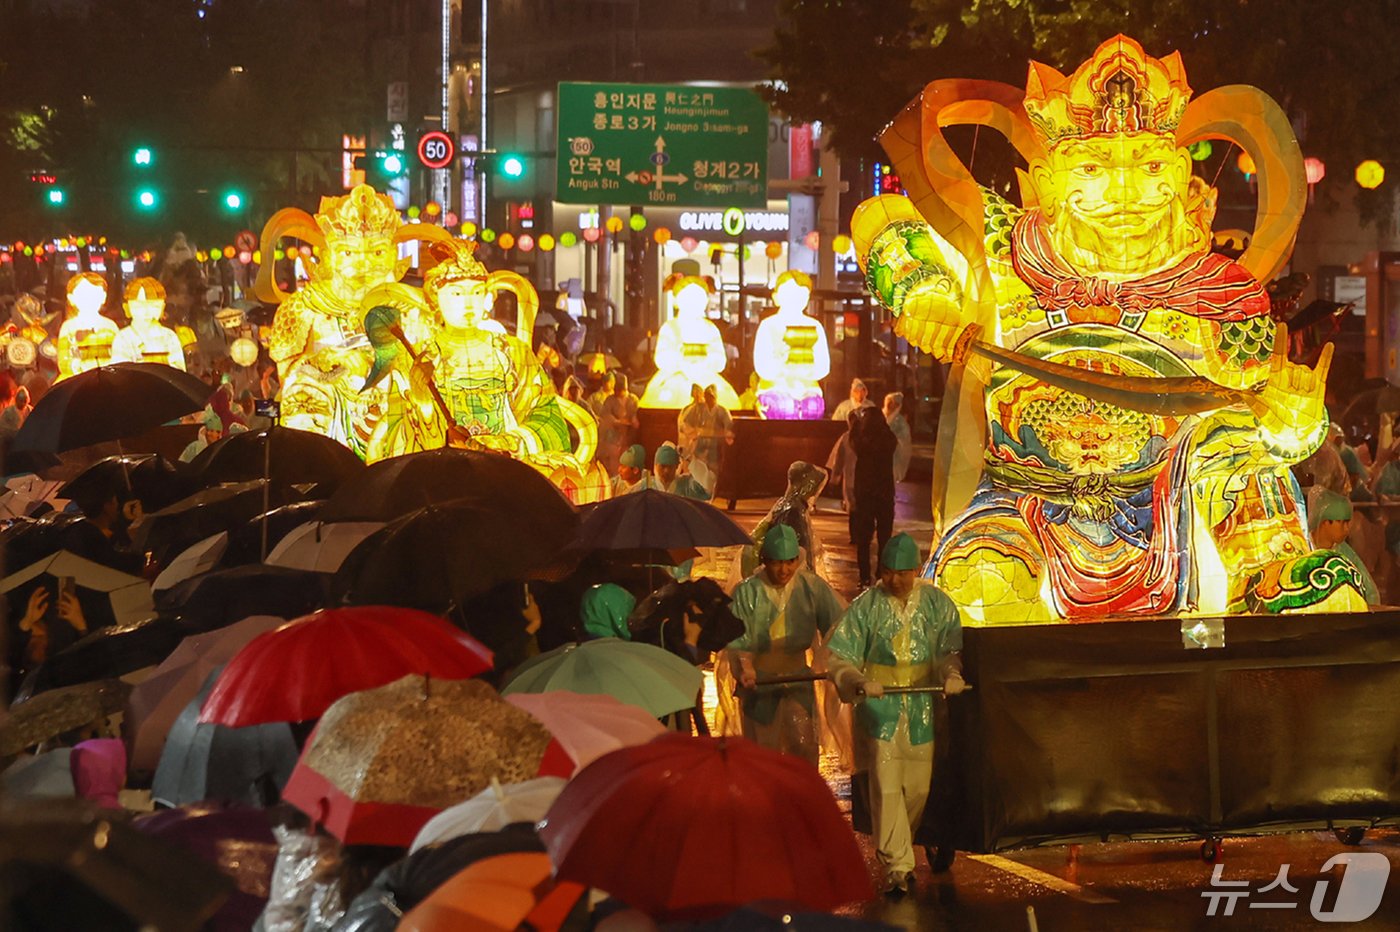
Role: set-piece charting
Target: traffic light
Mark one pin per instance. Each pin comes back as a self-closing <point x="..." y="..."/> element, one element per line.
<point x="56" y="196"/>
<point x="233" y="200"/>
<point x="143" y="157"/>
<point x="390" y="163"/>
<point x="513" y="166"/>
<point x="147" y="199"/>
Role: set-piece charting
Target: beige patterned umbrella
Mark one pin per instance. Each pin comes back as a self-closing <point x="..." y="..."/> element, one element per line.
<point x="384" y="761"/>
<point x="53" y="712"/>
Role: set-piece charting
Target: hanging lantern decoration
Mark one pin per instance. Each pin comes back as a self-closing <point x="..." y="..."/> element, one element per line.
<point x="1245" y="163"/>
<point x="488" y="235"/>
<point x="812" y="240"/>
<point x="688" y="244"/>
<point x="278" y="255"/>
<point x="546" y="243"/>
<point x="1200" y="150"/>
<point x="201" y="256"/>
<point x="244" y="351"/>
<point x="469" y="229"/>
<point x="306" y="252"/>
<point x="637" y="222"/>
<point x="506" y="240"/>
<point x="841" y="244"/>
<point x="29" y="250"/>
<point x="615" y="224"/>
<point x="450" y="219"/>
<point x="568" y="238"/>
<point x="591" y="234"/>
<point x="1370" y="174"/>
<point x="526" y="242"/>
<point x="245" y="257"/>
<point x="773" y="250"/>
<point x="432" y="208"/>
<point x="662" y="235"/>
<point x="257" y="256"/>
<point x="80" y="242"/>
<point x="413" y="212"/>
<point x="1314" y="169"/>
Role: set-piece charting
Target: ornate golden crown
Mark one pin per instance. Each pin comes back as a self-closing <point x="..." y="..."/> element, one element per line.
<point x="1121" y="89"/>
<point x="362" y="212"/>
<point x="456" y="262"/>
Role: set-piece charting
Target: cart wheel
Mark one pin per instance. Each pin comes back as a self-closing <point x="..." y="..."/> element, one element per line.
<point x="940" y="858"/>
<point x="1351" y="835"/>
<point x="1211" y="850"/>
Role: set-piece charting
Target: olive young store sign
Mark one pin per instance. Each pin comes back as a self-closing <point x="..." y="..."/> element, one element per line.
<point x="770" y="224"/>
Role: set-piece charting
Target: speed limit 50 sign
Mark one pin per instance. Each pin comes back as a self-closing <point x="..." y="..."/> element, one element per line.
<point x="436" y="149"/>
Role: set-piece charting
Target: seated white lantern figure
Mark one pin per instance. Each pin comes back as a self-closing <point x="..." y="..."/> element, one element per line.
<point x="85" y="339"/>
<point x="147" y="340"/>
<point x="689" y="350"/>
<point x="790" y="354"/>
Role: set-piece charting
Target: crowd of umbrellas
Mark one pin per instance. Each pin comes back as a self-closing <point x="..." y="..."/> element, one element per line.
<point x="334" y="665"/>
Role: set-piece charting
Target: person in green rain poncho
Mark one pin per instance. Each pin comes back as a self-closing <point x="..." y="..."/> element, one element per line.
<point x="1329" y="520"/>
<point x="667" y="462"/>
<point x="785" y="610"/>
<point x="604" y="611"/>
<point x="631" y="471"/>
<point x="900" y="632"/>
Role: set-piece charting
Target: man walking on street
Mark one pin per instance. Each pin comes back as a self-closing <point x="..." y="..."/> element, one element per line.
<point x="786" y="611"/>
<point x="901" y="633"/>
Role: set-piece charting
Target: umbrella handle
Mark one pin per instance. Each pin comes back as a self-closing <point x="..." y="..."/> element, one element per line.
<point x="912" y="690"/>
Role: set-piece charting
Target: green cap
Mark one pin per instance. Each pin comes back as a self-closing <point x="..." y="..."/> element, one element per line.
<point x="634" y="456"/>
<point x="604" y="611"/>
<point x="668" y="455"/>
<point x="780" y="543"/>
<point x="900" y="553"/>
<point x="1326" y="505"/>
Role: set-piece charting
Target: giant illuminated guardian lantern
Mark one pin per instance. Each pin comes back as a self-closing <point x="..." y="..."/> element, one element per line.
<point x="318" y="341"/>
<point x="1121" y="413"/>
<point x="456" y="377"/>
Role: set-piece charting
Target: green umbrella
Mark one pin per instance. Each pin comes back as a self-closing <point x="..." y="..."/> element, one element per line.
<point x="637" y="674"/>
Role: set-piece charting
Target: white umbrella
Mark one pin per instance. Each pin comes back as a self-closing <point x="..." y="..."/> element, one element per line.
<point x="321" y="547"/>
<point x="130" y="595"/>
<point x="199" y="557"/>
<point x="492" y="810"/>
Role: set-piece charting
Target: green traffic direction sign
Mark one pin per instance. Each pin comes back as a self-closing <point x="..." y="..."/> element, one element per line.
<point x="667" y="144"/>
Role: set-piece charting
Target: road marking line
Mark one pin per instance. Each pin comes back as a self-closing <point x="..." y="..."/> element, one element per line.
<point x="1041" y="878"/>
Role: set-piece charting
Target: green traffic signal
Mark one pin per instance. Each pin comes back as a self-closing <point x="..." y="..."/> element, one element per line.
<point x="391" y="163"/>
<point x="513" y="166"/>
<point x="56" y="196"/>
<point x="233" y="200"/>
<point x="143" y="156"/>
<point x="146" y="199"/>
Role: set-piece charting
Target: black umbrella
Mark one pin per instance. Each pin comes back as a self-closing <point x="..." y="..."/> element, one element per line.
<point x="152" y="478"/>
<point x="246" y="540"/>
<point x="71" y="867"/>
<point x="214" y="600"/>
<point x="392" y="488"/>
<point x="28" y="540"/>
<point x="167" y="532"/>
<point x="230" y="765"/>
<point x="653" y="519"/>
<point x="17" y="462"/>
<point x="285" y="455"/>
<point x="660" y="620"/>
<point x="109" y="403"/>
<point x="111" y="651"/>
<point x="407" y="882"/>
<point x="438" y="557"/>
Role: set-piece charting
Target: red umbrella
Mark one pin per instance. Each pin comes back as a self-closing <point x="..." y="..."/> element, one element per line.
<point x="685" y="828"/>
<point x="294" y="673"/>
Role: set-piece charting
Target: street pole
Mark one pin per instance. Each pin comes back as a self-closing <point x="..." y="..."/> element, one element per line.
<point x="828" y="216"/>
<point x="482" y="144"/>
<point x="442" y="177"/>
